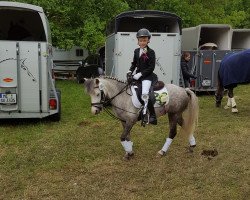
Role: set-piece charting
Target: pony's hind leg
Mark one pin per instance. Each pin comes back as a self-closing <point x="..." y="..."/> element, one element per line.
<point x="191" y="138"/>
<point x="173" y="118"/>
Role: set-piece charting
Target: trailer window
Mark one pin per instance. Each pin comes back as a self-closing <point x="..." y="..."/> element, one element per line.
<point x="21" y="25"/>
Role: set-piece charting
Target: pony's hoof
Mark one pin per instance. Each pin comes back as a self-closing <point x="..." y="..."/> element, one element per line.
<point x="235" y="110"/>
<point x="161" y="153"/>
<point x="128" y="155"/>
<point x="191" y="148"/>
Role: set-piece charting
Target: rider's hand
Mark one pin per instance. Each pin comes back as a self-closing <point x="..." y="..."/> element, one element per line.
<point x="137" y="76"/>
<point x="129" y="72"/>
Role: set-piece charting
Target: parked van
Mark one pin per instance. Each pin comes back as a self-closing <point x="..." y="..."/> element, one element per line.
<point x="165" y="41"/>
<point x="27" y="87"/>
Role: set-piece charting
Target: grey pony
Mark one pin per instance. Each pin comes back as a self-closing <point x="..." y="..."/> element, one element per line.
<point x="182" y="109"/>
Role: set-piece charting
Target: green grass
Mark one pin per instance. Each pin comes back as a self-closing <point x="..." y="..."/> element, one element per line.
<point x="80" y="157"/>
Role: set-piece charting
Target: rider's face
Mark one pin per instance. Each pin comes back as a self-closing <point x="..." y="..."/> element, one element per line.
<point x="143" y="42"/>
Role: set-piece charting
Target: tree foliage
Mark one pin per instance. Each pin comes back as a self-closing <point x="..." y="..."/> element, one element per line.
<point x="83" y="22"/>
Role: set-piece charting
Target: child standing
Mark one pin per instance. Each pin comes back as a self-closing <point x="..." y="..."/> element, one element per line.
<point x="144" y="64"/>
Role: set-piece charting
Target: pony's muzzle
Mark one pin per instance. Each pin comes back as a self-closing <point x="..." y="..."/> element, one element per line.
<point x="96" y="110"/>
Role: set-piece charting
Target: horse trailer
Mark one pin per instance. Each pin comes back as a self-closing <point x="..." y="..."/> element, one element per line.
<point x="27" y="86"/>
<point x="66" y="62"/>
<point x="205" y="59"/>
<point x="240" y="39"/>
<point x="165" y="41"/>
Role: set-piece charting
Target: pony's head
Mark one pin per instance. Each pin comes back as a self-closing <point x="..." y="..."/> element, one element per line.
<point x="95" y="90"/>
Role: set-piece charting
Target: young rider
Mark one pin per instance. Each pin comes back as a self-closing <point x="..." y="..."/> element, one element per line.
<point x="144" y="64"/>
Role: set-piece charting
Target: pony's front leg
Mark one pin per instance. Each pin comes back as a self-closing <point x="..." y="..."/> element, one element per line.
<point x="173" y="118"/>
<point x="125" y="140"/>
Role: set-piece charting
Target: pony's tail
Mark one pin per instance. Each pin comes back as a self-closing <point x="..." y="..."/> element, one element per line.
<point x="191" y="113"/>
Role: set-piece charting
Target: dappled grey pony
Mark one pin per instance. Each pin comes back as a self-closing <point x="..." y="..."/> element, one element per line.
<point x="234" y="69"/>
<point x="108" y="91"/>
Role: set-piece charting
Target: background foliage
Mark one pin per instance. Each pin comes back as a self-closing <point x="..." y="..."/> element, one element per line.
<point x="83" y="22"/>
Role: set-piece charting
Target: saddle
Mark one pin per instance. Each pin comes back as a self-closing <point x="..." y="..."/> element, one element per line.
<point x="156" y="86"/>
<point x="158" y="93"/>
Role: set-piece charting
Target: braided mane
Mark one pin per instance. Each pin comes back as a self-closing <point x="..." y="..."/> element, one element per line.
<point x="114" y="78"/>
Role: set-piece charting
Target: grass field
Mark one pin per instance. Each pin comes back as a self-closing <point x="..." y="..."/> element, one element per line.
<point x="81" y="157"/>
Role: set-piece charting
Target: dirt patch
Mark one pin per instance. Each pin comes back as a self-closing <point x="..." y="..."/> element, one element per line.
<point x="84" y="123"/>
<point x="210" y="153"/>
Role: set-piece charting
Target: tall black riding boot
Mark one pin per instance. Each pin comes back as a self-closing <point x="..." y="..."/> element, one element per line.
<point x="152" y="118"/>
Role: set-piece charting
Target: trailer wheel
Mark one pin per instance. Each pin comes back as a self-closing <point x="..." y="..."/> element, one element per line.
<point x="57" y="117"/>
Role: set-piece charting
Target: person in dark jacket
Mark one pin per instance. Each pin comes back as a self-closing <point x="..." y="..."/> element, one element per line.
<point x="142" y="67"/>
<point x="185" y="70"/>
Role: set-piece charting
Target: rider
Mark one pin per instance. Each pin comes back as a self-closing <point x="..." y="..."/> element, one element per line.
<point x="144" y="64"/>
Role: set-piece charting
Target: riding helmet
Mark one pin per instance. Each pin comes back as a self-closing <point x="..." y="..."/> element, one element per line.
<point x="143" y="33"/>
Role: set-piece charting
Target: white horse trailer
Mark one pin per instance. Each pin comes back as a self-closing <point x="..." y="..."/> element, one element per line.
<point x="166" y="41"/>
<point x="205" y="63"/>
<point x="66" y="62"/>
<point x="240" y="39"/>
<point x="27" y="88"/>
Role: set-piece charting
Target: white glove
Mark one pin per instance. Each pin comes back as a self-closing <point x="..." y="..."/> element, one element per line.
<point x="129" y="72"/>
<point x="137" y="76"/>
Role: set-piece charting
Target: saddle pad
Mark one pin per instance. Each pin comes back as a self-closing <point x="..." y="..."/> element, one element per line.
<point x="161" y="96"/>
<point x="235" y="68"/>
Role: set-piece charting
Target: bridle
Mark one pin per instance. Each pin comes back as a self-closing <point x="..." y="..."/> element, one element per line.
<point x="102" y="102"/>
<point x="105" y="102"/>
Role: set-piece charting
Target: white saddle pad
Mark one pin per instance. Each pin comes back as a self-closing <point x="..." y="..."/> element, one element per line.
<point x="161" y="97"/>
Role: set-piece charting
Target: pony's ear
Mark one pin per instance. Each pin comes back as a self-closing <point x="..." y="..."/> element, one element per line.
<point x="84" y="80"/>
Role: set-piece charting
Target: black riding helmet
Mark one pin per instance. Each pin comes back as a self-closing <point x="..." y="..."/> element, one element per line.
<point x="143" y="33"/>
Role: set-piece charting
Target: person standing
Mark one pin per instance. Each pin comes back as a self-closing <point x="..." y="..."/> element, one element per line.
<point x="185" y="58"/>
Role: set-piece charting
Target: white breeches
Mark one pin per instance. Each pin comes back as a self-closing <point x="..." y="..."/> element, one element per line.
<point x="146" y="84"/>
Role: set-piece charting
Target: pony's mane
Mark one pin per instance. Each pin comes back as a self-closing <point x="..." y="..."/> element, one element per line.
<point x="89" y="84"/>
<point x="114" y="78"/>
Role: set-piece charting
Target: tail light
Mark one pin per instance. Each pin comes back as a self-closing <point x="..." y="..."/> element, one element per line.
<point x="52" y="104"/>
<point x="192" y="83"/>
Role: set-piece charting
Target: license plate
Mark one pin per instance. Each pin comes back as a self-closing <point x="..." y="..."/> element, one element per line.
<point x="206" y="83"/>
<point x="7" y="98"/>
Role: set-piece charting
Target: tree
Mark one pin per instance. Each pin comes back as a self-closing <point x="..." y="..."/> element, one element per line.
<point x="83" y="22"/>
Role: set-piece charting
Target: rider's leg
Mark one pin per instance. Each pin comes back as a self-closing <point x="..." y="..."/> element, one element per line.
<point x="146" y="84"/>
